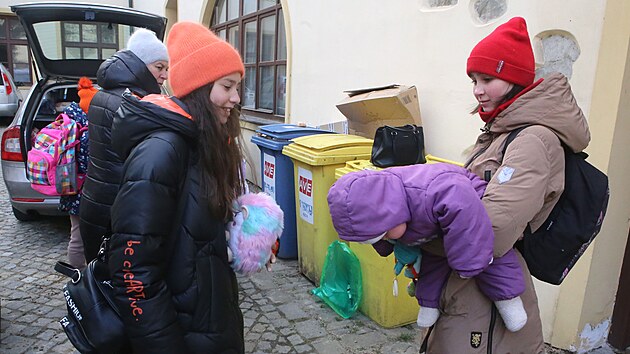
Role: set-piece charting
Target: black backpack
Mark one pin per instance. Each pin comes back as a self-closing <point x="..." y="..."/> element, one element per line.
<point x="575" y="220"/>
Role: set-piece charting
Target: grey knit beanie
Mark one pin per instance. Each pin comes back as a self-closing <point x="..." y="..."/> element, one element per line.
<point x="146" y="46"/>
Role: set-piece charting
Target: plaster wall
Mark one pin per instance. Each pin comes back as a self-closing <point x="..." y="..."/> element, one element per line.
<point x="157" y="7"/>
<point x="193" y="10"/>
<point x="336" y="46"/>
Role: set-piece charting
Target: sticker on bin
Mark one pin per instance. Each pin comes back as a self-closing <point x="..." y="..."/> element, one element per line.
<point x="269" y="175"/>
<point x="305" y="195"/>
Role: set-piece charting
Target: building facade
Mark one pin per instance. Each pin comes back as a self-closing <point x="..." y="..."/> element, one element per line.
<point x="300" y="57"/>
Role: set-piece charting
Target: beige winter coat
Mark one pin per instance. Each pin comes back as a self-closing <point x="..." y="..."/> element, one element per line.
<point x="528" y="184"/>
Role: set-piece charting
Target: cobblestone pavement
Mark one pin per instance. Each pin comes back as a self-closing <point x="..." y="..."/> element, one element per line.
<point x="281" y="316"/>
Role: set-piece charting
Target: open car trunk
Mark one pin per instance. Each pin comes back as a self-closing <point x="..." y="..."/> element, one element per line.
<point x="68" y="41"/>
<point x="72" y="40"/>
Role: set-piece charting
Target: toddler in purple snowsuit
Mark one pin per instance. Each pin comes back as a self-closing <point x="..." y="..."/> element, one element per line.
<point x="415" y="204"/>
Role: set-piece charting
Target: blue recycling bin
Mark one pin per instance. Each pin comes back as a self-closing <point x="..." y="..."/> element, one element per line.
<point x="277" y="176"/>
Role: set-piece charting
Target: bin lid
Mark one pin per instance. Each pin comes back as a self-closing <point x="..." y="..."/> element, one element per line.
<point x="275" y="136"/>
<point x="288" y="131"/>
<point x="356" y="165"/>
<point x="328" y="149"/>
<point x="435" y="159"/>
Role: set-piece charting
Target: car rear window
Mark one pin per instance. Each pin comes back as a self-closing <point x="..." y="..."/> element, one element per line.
<point x="81" y="40"/>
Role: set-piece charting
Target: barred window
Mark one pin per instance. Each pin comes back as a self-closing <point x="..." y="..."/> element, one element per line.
<point x="256" y="29"/>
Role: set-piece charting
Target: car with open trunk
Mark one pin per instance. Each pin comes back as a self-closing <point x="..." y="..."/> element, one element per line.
<point x="68" y="41"/>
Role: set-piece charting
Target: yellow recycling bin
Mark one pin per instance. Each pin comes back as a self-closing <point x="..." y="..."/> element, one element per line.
<point x="315" y="158"/>
<point x="378" y="302"/>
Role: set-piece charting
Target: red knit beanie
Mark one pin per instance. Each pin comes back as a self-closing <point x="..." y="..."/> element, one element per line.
<point x="198" y="57"/>
<point x="86" y="91"/>
<point x="506" y="53"/>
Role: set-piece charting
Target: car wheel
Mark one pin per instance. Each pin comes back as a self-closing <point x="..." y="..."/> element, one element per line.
<point x="23" y="216"/>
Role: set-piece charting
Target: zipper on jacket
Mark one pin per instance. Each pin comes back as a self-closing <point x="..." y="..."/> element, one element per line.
<point x="487" y="175"/>
<point x="493" y="320"/>
<point x="481" y="151"/>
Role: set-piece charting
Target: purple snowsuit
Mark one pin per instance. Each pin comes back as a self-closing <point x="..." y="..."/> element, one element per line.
<point x="434" y="200"/>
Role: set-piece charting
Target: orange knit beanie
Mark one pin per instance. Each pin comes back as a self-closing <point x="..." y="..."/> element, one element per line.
<point x="86" y="91"/>
<point x="198" y="57"/>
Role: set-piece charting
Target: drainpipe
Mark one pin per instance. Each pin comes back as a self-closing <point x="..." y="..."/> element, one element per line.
<point x="131" y="4"/>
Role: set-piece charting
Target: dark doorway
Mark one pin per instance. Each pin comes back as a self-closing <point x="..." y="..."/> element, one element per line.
<point x="619" y="335"/>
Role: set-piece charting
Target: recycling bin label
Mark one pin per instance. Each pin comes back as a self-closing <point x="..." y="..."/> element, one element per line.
<point x="269" y="175"/>
<point x="305" y="182"/>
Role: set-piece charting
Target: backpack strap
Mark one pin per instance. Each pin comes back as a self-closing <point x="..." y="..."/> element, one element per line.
<point x="509" y="139"/>
<point x="69" y="271"/>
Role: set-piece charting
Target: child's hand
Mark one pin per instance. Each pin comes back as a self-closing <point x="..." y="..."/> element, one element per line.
<point x="272" y="260"/>
<point x="274" y="252"/>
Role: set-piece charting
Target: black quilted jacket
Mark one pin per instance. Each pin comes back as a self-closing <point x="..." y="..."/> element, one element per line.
<point x="174" y="285"/>
<point x="123" y="70"/>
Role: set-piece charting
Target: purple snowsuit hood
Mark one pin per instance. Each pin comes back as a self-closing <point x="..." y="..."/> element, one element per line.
<point x="365" y="204"/>
<point x="434" y="200"/>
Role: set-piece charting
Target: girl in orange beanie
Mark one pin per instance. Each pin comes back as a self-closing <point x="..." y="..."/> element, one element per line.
<point x="182" y="172"/>
<point x="524" y="183"/>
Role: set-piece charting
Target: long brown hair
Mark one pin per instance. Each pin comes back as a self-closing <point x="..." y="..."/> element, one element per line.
<point x="220" y="155"/>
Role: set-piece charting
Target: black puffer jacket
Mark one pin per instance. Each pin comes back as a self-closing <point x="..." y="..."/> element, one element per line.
<point x="123" y="70"/>
<point x="174" y="285"/>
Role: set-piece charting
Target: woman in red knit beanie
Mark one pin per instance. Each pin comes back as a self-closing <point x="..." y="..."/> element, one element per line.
<point x="182" y="172"/>
<point x="523" y="184"/>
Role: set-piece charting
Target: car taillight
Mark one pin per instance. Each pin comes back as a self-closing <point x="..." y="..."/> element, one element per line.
<point x="11" y="144"/>
<point x="7" y="84"/>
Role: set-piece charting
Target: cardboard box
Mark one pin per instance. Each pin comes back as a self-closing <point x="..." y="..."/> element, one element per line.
<point x="370" y="108"/>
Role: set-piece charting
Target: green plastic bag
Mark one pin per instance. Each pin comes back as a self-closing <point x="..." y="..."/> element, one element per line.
<point x="340" y="285"/>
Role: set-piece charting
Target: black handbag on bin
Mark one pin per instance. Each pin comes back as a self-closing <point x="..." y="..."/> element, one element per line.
<point x="93" y="324"/>
<point x="398" y="146"/>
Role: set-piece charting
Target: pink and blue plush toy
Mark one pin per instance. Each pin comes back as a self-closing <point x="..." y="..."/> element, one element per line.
<point x="254" y="232"/>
